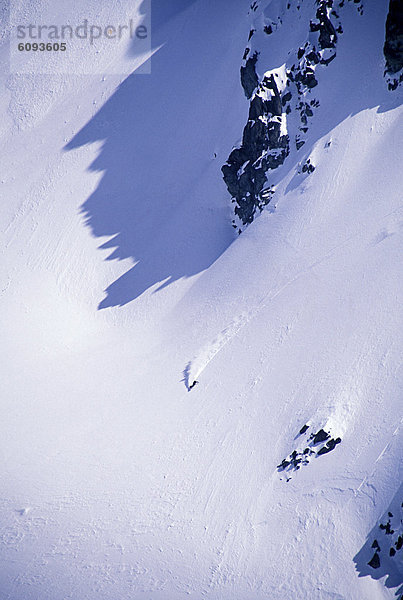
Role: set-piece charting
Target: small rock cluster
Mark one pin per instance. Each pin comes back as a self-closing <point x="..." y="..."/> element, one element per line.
<point x="318" y="444"/>
<point x="308" y="167"/>
<point x="391" y="525"/>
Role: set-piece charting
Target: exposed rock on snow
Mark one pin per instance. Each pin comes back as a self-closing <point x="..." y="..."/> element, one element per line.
<point x="265" y="145"/>
<point x="266" y="141"/>
<point x="266" y="138"/>
<point x="383" y="551"/>
<point x="393" y="48"/>
<point x="299" y="458"/>
<point x="249" y="78"/>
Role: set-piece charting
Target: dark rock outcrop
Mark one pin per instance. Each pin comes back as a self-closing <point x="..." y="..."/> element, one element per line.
<point x="393" y="47"/>
<point x="265" y="141"/>
<point x="327" y="32"/>
<point x="375" y="562"/>
<point x="249" y="78"/>
<point x="320" y="436"/>
<point x="263" y="147"/>
<point x="381" y="555"/>
<point x="330" y="445"/>
<point x="269" y="132"/>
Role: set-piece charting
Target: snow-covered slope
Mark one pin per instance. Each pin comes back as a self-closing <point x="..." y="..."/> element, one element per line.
<point x="117" y="482"/>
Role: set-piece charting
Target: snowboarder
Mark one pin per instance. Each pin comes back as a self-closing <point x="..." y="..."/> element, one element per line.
<point x="192" y="385"/>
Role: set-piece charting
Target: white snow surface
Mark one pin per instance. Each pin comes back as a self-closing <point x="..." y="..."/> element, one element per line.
<point x="117" y="482"/>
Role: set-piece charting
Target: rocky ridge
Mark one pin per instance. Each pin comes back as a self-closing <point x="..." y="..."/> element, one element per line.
<point x="283" y="101"/>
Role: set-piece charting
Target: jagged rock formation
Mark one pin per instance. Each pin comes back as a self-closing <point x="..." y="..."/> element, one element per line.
<point x="393" y="48"/>
<point x="266" y="141"/>
<point x="265" y="145"/>
<point x="249" y="79"/>
<point x="269" y="135"/>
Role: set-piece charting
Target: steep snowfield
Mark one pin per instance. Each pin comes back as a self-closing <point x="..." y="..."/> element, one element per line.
<point x="116" y="481"/>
